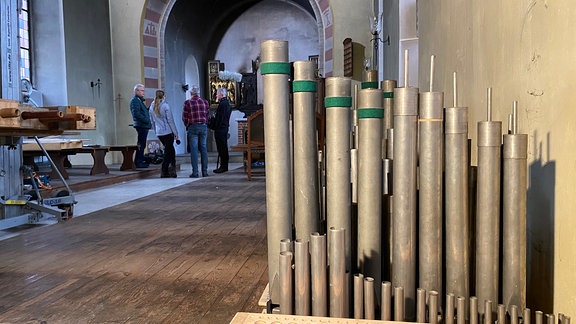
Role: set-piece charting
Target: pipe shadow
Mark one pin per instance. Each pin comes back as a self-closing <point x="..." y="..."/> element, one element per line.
<point x="540" y="229"/>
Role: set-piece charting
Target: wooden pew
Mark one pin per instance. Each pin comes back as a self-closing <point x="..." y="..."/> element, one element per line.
<point x="98" y="156"/>
<point x="60" y="149"/>
<point x="127" y="155"/>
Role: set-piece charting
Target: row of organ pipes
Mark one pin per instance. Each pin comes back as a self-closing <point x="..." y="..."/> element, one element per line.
<point x="400" y="197"/>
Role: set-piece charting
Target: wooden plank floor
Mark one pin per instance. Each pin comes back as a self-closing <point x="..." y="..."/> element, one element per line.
<point x="192" y="254"/>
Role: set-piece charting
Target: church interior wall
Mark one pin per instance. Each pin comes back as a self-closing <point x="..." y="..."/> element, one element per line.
<point x="241" y="43"/>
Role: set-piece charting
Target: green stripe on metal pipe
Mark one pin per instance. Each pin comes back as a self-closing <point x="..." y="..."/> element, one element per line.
<point x="337" y="102"/>
<point x="369" y="85"/>
<point x="275" y="68"/>
<point x="304" y="86"/>
<point x="388" y="94"/>
<point x="370" y="113"/>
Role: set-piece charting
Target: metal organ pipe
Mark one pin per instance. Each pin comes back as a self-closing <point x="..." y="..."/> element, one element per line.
<point x="301" y="278"/>
<point x="387" y="87"/>
<point x="275" y="71"/>
<point x="514" y="213"/>
<point x="386" y="308"/>
<point x="421" y="305"/>
<point x="457" y="228"/>
<point x="399" y="310"/>
<point x="370" y="113"/>
<point x="306" y="199"/>
<point x="358" y="296"/>
<point x="433" y="307"/>
<point x="369" y="299"/>
<point x="337" y="277"/>
<point x="474" y="310"/>
<point x="286" y="283"/>
<point x="488" y="206"/>
<point x="431" y="133"/>
<point x="354" y="149"/>
<point x="318" y="268"/>
<point x="404" y="198"/>
<point x="449" y="312"/>
<point x="338" y="161"/>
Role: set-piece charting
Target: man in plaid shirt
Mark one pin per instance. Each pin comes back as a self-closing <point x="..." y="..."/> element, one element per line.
<point x="195" y="118"/>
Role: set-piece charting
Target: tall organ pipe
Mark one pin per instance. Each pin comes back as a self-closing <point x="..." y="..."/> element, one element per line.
<point x="301" y="278"/>
<point x="318" y="268"/>
<point x="337" y="278"/>
<point x="370" y="113"/>
<point x="431" y="133"/>
<point x="306" y="200"/>
<point x="338" y="190"/>
<point x="354" y="149"/>
<point x="456" y="201"/>
<point x="275" y="71"/>
<point x="387" y="87"/>
<point x="488" y="206"/>
<point x="514" y="213"/>
<point x="404" y="199"/>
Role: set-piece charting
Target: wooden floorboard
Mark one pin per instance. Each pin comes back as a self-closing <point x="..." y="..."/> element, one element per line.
<point x="192" y="254"/>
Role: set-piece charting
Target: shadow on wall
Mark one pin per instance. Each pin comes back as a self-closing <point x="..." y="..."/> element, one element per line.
<point x="540" y="231"/>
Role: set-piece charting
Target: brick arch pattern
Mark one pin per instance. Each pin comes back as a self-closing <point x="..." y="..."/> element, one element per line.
<point x="153" y="25"/>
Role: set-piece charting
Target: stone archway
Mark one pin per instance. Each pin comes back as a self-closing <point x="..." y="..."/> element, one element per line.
<point x="154" y="25"/>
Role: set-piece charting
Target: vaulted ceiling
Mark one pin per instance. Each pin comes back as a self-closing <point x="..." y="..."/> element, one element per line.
<point x="214" y="17"/>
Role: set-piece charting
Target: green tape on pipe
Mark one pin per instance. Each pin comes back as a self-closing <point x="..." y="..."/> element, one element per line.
<point x="369" y="85"/>
<point x="370" y="113"/>
<point x="304" y="86"/>
<point x="337" y="102"/>
<point x="388" y="94"/>
<point x="275" y="68"/>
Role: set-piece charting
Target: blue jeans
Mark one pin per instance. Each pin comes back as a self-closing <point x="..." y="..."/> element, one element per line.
<point x="197" y="134"/>
<point x="141" y="142"/>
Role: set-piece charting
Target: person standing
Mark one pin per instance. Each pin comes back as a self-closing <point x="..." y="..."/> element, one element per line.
<point x="163" y="124"/>
<point x="222" y="125"/>
<point x="195" y="117"/>
<point x="142" y="123"/>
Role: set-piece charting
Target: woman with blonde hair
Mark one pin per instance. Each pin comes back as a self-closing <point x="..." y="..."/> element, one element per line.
<point x="163" y="124"/>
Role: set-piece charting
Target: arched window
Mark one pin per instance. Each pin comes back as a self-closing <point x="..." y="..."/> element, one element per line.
<point x="24" y="39"/>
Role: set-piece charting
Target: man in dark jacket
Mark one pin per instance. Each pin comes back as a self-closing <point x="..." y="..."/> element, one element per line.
<point x="221" y="129"/>
<point x="142" y="123"/>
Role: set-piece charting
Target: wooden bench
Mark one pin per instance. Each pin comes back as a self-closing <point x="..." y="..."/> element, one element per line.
<point x="98" y="156"/>
<point x="127" y="155"/>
